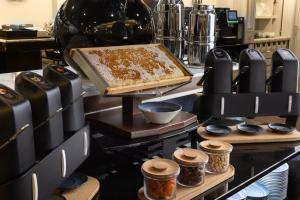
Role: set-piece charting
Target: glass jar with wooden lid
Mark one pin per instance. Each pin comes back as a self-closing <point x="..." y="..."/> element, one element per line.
<point x="192" y="166"/>
<point x="219" y="155"/>
<point x="160" y="179"/>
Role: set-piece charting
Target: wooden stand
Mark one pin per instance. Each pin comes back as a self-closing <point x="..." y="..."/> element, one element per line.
<point x="131" y="123"/>
<point x="185" y="193"/>
<point x="235" y="137"/>
<point x="85" y="192"/>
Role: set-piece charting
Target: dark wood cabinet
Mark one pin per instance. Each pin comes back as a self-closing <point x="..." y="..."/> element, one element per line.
<point x="23" y="54"/>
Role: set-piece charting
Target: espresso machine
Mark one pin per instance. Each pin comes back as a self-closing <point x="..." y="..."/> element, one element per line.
<point x="230" y="32"/>
<point x="230" y="27"/>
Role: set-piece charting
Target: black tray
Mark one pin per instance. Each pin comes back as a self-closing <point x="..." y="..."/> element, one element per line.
<point x="248" y="105"/>
<point x="18" y="34"/>
<point x="42" y="179"/>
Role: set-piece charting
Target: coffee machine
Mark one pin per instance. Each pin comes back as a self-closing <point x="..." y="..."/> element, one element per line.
<point x="230" y="27"/>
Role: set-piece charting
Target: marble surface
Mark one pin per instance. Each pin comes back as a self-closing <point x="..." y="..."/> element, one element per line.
<point x="8" y="79"/>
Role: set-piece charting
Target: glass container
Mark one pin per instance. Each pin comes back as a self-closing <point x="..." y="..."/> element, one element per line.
<point x="160" y="179"/>
<point x="192" y="166"/>
<point x="219" y="155"/>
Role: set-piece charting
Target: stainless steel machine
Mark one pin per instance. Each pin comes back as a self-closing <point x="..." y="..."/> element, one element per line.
<point x="201" y="32"/>
<point x="169" y="17"/>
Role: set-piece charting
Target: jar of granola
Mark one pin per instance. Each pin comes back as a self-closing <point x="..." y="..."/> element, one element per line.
<point x="219" y="155"/>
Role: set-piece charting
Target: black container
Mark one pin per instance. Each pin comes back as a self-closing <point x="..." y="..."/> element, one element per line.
<point x="18" y="33"/>
<point x="17" y="154"/>
<point x="86" y="23"/>
<point x="46" y="108"/>
<point x="284" y="77"/>
<point x="42" y="179"/>
<point x="252" y="72"/>
<point x="70" y="87"/>
<point x="218" y="72"/>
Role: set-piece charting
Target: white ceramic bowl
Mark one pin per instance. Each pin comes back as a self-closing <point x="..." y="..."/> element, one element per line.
<point x="160" y="112"/>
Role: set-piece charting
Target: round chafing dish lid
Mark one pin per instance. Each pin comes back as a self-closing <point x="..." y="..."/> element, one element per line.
<point x="216" y="146"/>
<point x="160" y="168"/>
<point x="190" y="157"/>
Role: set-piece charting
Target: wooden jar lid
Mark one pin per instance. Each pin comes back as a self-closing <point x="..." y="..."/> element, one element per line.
<point x="216" y="146"/>
<point x="190" y="157"/>
<point x="160" y="168"/>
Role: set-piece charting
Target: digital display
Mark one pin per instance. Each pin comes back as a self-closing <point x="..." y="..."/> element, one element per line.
<point x="232" y="16"/>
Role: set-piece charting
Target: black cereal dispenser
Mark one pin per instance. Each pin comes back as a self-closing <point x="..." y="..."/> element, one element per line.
<point x="217" y="77"/>
<point x="17" y="151"/>
<point x="70" y="87"/>
<point x="252" y="72"/>
<point x="46" y="108"/>
<point x="284" y="76"/>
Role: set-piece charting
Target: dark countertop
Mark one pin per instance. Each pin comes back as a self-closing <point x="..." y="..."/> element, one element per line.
<point x="25" y="44"/>
<point x="121" y="170"/>
<point x="118" y="169"/>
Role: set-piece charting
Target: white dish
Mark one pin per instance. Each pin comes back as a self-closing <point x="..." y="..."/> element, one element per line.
<point x="160" y="112"/>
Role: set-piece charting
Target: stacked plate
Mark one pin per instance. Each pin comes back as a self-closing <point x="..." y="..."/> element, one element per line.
<point x="277" y="182"/>
<point x="257" y="191"/>
<point x="242" y="195"/>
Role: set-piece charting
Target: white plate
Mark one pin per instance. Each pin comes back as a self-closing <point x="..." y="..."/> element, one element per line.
<point x="257" y="190"/>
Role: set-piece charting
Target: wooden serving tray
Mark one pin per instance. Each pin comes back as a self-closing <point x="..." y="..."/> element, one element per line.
<point x="85" y="192"/>
<point x="113" y="122"/>
<point x="187" y="193"/>
<point x="87" y="67"/>
<point x="235" y="137"/>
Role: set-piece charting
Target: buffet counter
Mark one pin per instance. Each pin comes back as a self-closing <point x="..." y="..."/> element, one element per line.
<point x="114" y="160"/>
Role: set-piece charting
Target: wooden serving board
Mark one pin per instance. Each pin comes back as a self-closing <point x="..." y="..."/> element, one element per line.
<point x="187" y="193"/>
<point x="236" y="137"/>
<point x="104" y="87"/>
<point x="85" y="192"/>
<point x="147" y="85"/>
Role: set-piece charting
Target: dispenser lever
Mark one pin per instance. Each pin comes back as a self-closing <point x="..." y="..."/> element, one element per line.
<point x="208" y="69"/>
<point x="238" y="78"/>
<point x="277" y="71"/>
<point x="63" y="163"/>
<point x="35" y="189"/>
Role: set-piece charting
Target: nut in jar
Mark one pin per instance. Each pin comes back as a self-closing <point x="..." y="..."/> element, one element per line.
<point x="219" y="155"/>
<point x="160" y="179"/>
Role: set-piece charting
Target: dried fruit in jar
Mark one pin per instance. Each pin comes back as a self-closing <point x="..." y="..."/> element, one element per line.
<point x="160" y="189"/>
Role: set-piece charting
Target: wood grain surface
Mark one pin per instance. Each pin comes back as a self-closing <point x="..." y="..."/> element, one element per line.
<point x="113" y="122"/>
<point x="87" y="191"/>
<point x="185" y="193"/>
<point x="235" y="137"/>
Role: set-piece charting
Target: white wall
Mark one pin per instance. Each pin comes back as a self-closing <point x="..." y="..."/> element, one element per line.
<point x="36" y="12"/>
<point x="219" y="3"/>
<point x="295" y="44"/>
<point x="289" y="14"/>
